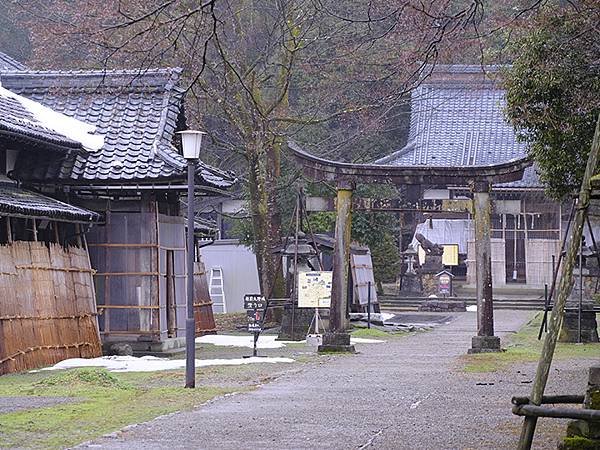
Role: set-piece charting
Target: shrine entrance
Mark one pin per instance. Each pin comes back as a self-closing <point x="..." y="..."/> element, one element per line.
<point x="478" y="179"/>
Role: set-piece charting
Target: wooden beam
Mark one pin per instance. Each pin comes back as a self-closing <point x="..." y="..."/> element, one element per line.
<point x="319" y="204"/>
<point x="320" y="169"/>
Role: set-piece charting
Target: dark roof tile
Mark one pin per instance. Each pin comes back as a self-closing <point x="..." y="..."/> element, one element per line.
<point x="457" y="119"/>
<point x="8" y="64"/>
<point x="19" y="121"/>
<point x="137" y="111"/>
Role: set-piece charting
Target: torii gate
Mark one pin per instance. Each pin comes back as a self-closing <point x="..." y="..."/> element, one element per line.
<point x="345" y="175"/>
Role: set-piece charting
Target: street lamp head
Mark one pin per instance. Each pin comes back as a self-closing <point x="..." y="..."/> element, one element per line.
<point x="191" y="140"/>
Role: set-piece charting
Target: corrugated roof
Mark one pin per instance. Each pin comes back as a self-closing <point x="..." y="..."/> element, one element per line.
<point x="457" y="119"/>
<point x="16" y="201"/>
<point x="136" y="111"/>
<point x="8" y="63"/>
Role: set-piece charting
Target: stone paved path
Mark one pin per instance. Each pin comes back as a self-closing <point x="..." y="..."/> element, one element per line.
<point x="408" y="393"/>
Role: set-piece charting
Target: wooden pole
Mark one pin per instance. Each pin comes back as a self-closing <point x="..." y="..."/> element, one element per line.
<point x="564" y="289"/>
<point x="56" y="236"/>
<point x="9" y="230"/>
<point x="34" y="229"/>
<point x="341" y="254"/>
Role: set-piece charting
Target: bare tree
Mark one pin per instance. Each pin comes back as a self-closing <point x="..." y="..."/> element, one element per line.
<point x="329" y="73"/>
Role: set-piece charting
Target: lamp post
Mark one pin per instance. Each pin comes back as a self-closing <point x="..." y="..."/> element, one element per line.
<point x="190" y="143"/>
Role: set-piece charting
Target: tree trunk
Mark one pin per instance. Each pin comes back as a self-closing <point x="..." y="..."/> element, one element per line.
<point x="263" y="174"/>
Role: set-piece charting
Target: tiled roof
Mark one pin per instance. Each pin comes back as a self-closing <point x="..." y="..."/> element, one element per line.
<point x="138" y="113"/>
<point x="17" y="122"/>
<point x="16" y="201"/>
<point x="8" y="63"/>
<point x="457" y="119"/>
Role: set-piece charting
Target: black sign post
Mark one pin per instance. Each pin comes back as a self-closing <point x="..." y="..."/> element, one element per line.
<point x="256" y="308"/>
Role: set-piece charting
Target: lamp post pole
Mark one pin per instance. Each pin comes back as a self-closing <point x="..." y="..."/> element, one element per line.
<point x="191" y="140"/>
<point x="190" y="323"/>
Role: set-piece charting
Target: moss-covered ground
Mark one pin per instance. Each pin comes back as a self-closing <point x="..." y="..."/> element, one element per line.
<point x="371" y="333"/>
<point x="102" y="402"/>
<point x="524" y="346"/>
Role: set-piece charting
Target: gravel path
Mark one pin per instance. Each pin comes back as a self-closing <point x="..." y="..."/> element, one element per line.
<point x="408" y="393"/>
<point x="12" y="404"/>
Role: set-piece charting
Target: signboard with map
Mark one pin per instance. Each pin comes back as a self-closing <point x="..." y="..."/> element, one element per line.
<point x="314" y="289"/>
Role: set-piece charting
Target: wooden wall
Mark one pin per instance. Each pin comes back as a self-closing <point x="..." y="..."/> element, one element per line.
<point x="141" y="274"/>
<point x="47" y="306"/>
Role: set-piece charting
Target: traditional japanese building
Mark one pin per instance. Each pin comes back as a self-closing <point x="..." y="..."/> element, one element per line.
<point x="457" y="119"/>
<point x="47" y="298"/>
<point x="134" y="182"/>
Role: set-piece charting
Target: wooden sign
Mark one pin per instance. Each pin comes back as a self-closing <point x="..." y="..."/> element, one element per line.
<point x="256" y="305"/>
<point x="444" y="283"/>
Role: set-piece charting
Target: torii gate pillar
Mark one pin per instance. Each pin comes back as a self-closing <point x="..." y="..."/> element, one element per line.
<point x="485" y="341"/>
<point x="338" y="338"/>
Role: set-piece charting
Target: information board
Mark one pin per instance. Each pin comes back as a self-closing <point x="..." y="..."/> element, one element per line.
<point x="314" y="289"/>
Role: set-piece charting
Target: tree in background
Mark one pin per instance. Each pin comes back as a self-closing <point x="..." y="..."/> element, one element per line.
<point x="331" y="74"/>
<point x="553" y="92"/>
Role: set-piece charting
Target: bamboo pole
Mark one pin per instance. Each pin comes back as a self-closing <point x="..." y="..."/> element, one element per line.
<point x="564" y="289"/>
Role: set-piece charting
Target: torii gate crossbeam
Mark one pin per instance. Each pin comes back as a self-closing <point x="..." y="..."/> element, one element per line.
<point x="345" y="175"/>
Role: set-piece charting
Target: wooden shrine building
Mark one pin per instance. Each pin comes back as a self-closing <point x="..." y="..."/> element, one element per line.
<point x="457" y="119"/>
<point x="134" y="182"/>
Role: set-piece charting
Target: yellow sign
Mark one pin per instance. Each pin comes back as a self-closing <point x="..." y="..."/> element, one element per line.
<point x="450" y="255"/>
<point x="314" y="289"/>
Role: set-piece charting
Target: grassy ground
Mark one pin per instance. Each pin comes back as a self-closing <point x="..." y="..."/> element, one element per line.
<point x="374" y="333"/>
<point x="104" y="402"/>
<point x="230" y="321"/>
<point x="524" y="347"/>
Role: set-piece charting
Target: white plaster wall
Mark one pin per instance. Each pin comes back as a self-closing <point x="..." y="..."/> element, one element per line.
<point x="240" y="272"/>
<point x="498" y="263"/>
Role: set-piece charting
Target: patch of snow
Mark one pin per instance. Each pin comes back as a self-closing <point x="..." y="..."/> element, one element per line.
<point x="472" y="308"/>
<point x="152" y="363"/>
<point x="357" y="340"/>
<point x="227" y="340"/>
<point x="386" y="316"/>
<point x="74" y="129"/>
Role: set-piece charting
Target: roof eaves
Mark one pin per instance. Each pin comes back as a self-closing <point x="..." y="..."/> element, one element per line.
<point x="10" y="64"/>
<point x="389" y="159"/>
<point x="19" y="202"/>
